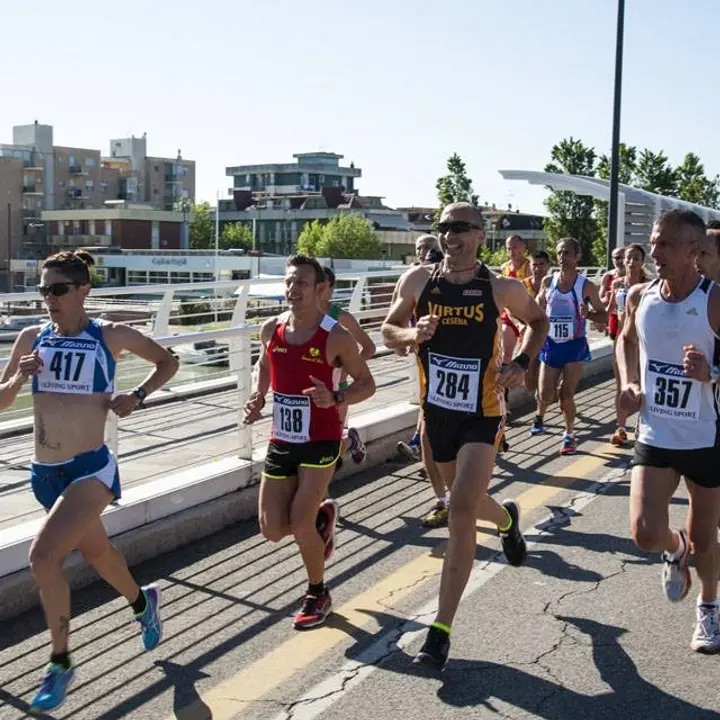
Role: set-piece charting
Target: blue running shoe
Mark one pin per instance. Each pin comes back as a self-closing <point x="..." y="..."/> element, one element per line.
<point x="151" y="628"/>
<point x="53" y="690"/>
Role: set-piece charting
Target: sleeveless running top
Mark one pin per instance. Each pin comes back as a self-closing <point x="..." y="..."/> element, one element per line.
<point x="521" y="273"/>
<point x="296" y="419"/>
<point x="80" y="364"/>
<point x="677" y="413"/>
<point x="621" y="298"/>
<point x="563" y="310"/>
<point x="460" y="363"/>
<point x="528" y="283"/>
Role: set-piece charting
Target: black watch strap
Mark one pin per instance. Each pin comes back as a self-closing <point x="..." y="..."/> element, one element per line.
<point x="141" y="394"/>
<point x="523" y="360"/>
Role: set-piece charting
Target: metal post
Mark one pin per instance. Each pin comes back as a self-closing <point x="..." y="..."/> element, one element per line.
<point x="615" y="162"/>
<point x="217" y="251"/>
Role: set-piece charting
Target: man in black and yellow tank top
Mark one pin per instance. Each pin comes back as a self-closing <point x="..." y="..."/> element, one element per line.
<point x="462" y="380"/>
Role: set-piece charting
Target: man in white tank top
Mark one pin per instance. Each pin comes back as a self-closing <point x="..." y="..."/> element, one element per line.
<point x="671" y="333"/>
<point x="566" y="298"/>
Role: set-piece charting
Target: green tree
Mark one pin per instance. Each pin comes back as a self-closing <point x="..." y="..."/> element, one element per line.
<point x="349" y="236"/>
<point x="202" y="224"/>
<point x="456" y="186"/>
<point x="693" y="185"/>
<point x="654" y="173"/>
<point x="626" y="176"/>
<point x="309" y="238"/>
<point x="569" y="213"/>
<point x="236" y="235"/>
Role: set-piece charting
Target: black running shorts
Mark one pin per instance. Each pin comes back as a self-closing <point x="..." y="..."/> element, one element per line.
<point x="449" y="431"/>
<point x="701" y="466"/>
<point x="284" y="459"/>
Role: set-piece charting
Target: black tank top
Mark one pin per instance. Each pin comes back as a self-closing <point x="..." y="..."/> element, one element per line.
<point x="459" y="365"/>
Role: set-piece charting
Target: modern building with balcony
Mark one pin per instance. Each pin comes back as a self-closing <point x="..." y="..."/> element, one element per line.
<point x="37" y="176"/>
<point x="277" y="200"/>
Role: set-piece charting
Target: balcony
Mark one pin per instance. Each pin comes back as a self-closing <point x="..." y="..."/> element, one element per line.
<point x="31" y="190"/>
<point x="81" y="240"/>
<point x="75" y="192"/>
<point x="75" y="170"/>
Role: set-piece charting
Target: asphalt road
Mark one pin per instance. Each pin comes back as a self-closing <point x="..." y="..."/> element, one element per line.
<point x="582" y="631"/>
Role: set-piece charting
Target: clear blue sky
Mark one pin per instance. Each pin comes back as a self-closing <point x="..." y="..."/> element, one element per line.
<point x="395" y="85"/>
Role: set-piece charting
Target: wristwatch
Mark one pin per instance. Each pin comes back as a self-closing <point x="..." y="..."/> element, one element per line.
<point x="523" y="360"/>
<point x="339" y="397"/>
<point x="714" y="373"/>
<point x="141" y="394"/>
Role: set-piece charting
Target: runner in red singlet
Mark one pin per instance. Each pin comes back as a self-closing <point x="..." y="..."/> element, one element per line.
<point x="305" y="352"/>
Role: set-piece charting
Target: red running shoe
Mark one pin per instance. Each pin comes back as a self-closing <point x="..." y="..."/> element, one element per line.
<point x="314" y="611"/>
<point x="328" y="514"/>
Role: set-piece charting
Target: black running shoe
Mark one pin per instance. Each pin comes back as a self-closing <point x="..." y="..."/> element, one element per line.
<point x="513" y="542"/>
<point x="434" y="652"/>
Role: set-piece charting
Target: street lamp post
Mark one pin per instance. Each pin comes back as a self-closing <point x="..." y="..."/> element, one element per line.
<point x="615" y="161"/>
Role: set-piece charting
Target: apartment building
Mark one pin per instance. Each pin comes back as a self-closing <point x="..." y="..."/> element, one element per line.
<point x="37" y="176"/>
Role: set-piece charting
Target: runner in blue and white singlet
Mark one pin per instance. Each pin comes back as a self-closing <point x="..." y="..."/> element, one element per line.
<point x="566" y="297"/>
<point x="74" y="475"/>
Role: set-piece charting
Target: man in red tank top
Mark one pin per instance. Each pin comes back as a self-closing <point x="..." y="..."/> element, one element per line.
<point x="304" y="351"/>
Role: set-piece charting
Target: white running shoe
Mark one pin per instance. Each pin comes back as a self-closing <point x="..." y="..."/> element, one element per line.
<point x="676" y="578"/>
<point x="706" y="638"/>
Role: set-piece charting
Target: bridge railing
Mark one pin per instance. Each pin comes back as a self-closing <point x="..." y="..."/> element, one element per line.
<point x="213" y="328"/>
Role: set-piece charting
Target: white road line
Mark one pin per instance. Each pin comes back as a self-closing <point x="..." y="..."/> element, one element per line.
<point x="327" y="692"/>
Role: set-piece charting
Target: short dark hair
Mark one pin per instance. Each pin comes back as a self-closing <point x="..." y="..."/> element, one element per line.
<point x="298" y="260"/>
<point x="681" y="219"/>
<point x="714" y="234"/>
<point x="329" y="275"/>
<point x="635" y="246"/>
<point x="74" y="265"/>
<point x="713" y="225"/>
<point x="541" y="255"/>
<point x="516" y="237"/>
<point x="572" y="241"/>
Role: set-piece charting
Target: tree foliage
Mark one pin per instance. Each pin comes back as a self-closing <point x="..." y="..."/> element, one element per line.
<point x="587" y="220"/>
<point x="571" y="214"/>
<point x="202" y="224"/>
<point x="456" y="186"/>
<point x="345" y="236"/>
<point x="236" y="235"/>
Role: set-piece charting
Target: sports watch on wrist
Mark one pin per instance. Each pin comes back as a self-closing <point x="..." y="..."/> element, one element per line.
<point x="523" y="360"/>
<point x="141" y="394"/>
<point x="339" y="397"/>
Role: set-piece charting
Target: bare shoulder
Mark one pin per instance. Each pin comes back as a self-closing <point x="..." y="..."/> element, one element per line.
<point x="27" y="336"/>
<point x="635" y="293"/>
<point x="268" y="328"/>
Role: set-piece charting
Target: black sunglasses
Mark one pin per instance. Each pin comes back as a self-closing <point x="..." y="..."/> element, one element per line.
<point x="457" y="227"/>
<point x="57" y="289"/>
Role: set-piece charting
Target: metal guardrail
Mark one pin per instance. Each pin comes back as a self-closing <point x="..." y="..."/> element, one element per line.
<point x="217" y="331"/>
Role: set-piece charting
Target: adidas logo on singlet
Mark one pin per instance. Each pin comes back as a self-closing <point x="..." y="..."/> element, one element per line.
<point x="692" y="311"/>
<point x="436" y="291"/>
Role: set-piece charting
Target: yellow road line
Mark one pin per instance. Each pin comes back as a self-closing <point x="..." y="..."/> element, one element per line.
<point x="230" y="697"/>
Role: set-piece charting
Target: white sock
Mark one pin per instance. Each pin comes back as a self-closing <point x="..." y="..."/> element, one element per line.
<point x="707" y="603"/>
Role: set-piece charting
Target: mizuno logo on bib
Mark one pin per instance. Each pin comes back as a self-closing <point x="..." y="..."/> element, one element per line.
<point x="291" y="418"/>
<point x="453" y="383"/>
<point x="670" y="393"/>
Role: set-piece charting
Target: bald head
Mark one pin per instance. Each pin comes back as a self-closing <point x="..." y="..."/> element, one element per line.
<point x="464" y="211"/>
<point x="424" y="244"/>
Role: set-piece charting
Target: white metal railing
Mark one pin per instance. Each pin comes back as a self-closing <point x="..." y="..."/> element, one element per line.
<point x="214" y="329"/>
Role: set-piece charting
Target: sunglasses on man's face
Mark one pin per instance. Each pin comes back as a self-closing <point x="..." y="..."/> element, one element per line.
<point x="456" y="227"/>
<point x="56" y="289"/>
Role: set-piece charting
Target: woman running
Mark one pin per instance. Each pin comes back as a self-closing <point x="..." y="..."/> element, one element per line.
<point x="634" y="260"/>
<point x="72" y="362"/>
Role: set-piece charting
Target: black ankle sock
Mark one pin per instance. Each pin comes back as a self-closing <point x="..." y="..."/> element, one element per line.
<point x="140" y="604"/>
<point x="316" y="589"/>
<point x="539" y="419"/>
<point x="62" y="659"/>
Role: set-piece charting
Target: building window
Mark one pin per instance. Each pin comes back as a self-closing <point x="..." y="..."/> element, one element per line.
<point x="71" y="160"/>
<point x="103" y="187"/>
<point x="89" y="162"/>
<point x="137" y="277"/>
